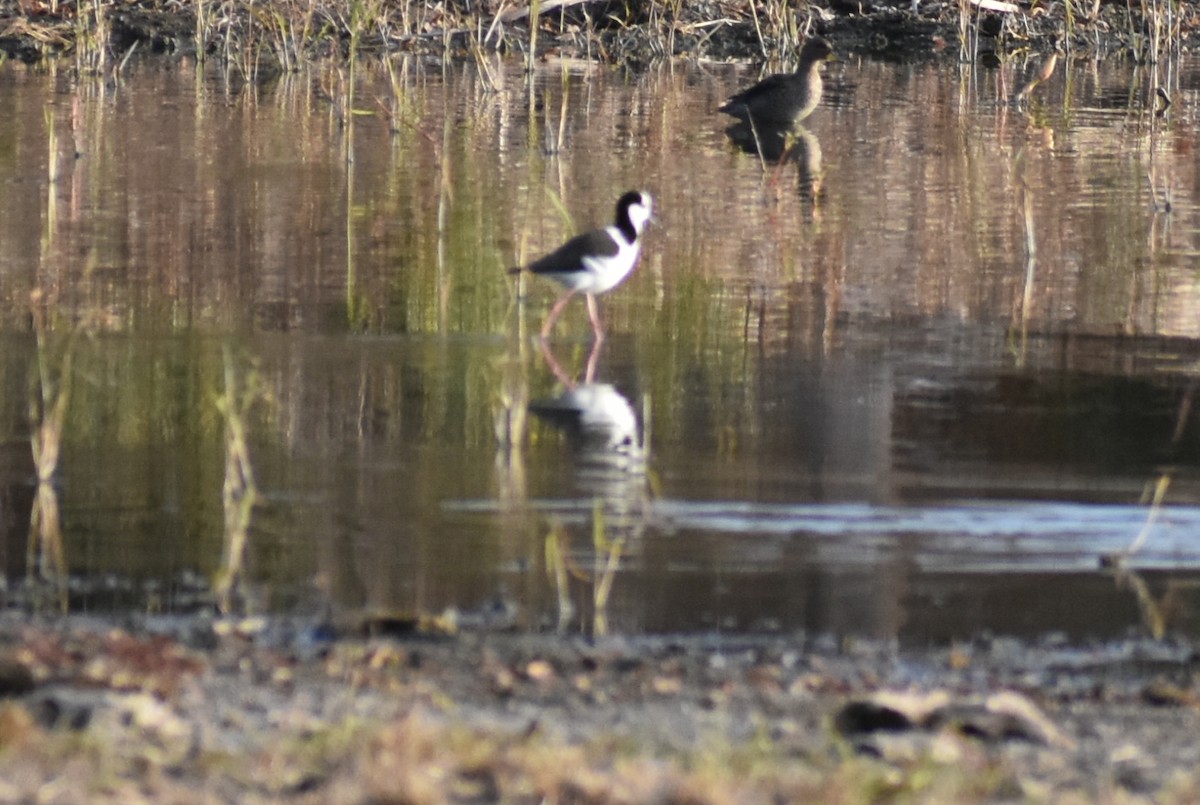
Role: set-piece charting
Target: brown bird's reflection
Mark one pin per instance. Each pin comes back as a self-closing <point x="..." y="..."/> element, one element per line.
<point x="783" y="145"/>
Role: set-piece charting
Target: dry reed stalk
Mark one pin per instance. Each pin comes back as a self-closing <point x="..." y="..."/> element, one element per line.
<point x="602" y="586"/>
<point x="46" y="554"/>
<point x="556" y="569"/>
<point x="535" y="10"/>
<point x="239" y="493"/>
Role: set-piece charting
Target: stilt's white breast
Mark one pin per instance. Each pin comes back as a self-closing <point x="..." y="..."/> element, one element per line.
<point x="605" y="272"/>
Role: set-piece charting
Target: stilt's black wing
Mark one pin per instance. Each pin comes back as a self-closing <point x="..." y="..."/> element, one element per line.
<point x="569" y="256"/>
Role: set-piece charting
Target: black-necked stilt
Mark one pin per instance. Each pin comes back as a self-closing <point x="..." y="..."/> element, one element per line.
<point x="596" y="261"/>
<point x="786" y="98"/>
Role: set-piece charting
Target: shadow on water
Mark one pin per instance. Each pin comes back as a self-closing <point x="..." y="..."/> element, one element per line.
<point x="929" y="391"/>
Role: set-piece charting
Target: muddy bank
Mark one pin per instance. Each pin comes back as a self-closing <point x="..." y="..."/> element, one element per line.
<point x="281" y="36"/>
<point x="196" y="710"/>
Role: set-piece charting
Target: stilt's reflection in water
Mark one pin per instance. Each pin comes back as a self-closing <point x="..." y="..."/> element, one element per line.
<point x="783" y="145"/>
<point x="601" y="426"/>
<point x="610" y="468"/>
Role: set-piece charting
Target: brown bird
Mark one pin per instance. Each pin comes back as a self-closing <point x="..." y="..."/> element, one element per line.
<point x="784" y="99"/>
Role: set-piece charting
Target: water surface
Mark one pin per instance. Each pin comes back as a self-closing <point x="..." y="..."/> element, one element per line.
<point x="912" y="379"/>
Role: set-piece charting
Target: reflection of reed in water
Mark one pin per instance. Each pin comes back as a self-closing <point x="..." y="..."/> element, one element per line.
<point x="46" y="557"/>
<point x="782" y="145"/>
<point x="239" y="493"/>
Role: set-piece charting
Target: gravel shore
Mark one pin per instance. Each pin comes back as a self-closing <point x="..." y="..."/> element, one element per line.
<point x="200" y="710"/>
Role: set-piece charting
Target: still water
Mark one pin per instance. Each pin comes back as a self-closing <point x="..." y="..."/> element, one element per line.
<point x="915" y="377"/>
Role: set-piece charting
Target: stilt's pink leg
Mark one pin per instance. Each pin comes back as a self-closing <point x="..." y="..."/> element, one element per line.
<point x="554" y="312"/>
<point x="594" y="312"/>
<point x="555" y="366"/>
<point x="593" y="359"/>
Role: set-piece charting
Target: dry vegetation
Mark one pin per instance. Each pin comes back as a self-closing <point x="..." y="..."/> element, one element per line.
<point x="282" y="34"/>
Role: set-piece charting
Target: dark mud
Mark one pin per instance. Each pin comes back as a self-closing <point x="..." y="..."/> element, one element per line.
<point x="200" y="710"/>
<point x="629" y="34"/>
